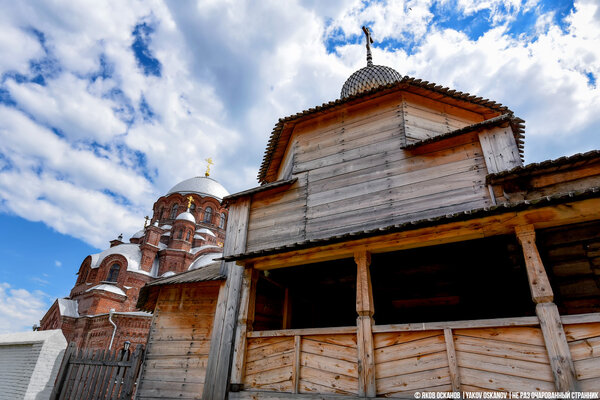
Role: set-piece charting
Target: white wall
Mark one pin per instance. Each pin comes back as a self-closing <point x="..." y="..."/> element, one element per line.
<point x="29" y="362"/>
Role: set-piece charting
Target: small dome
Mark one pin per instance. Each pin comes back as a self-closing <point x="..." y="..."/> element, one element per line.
<point x="139" y="234"/>
<point x="186" y="216"/>
<point x="201" y="185"/>
<point x="369" y="77"/>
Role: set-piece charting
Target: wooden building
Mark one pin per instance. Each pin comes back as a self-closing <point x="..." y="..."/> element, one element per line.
<point x="397" y="244"/>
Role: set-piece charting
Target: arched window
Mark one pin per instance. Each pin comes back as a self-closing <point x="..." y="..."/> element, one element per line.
<point x="113" y="274"/>
<point x="160" y="213"/>
<point x="222" y="221"/>
<point x="208" y="215"/>
<point x="83" y="275"/>
<point x="174" y="211"/>
<point x="187" y="236"/>
<point x="180" y="234"/>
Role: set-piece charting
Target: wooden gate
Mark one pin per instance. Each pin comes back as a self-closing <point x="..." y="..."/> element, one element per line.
<point x="99" y="374"/>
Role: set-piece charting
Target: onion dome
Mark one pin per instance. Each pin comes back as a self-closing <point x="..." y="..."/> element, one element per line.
<point x="186" y="216"/>
<point x="371" y="76"/>
<point x="202" y="185"/>
<point x="368" y="78"/>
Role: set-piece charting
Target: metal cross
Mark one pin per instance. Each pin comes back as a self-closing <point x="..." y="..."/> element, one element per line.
<point x="190" y="201"/>
<point x="146" y="222"/>
<point x="210" y="162"/>
<point x="369" y="41"/>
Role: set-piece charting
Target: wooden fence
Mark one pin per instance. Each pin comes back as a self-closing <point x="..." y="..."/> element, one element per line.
<point x="99" y="374"/>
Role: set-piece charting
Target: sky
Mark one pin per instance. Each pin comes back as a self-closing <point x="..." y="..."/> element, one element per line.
<point x="105" y="105"/>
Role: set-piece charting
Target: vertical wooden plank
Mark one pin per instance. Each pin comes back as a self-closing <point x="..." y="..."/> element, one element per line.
<point x="132" y="373"/>
<point x="78" y="370"/>
<point x="91" y="374"/>
<point x="287" y="308"/>
<point x="81" y="382"/>
<point x="89" y="393"/>
<point x="541" y="291"/>
<point x="120" y="375"/>
<point x="296" y="365"/>
<point x="221" y="348"/>
<point x="547" y="312"/>
<point x="115" y="374"/>
<point x="109" y="361"/>
<point x="62" y="371"/>
<point x="245" y="320"/>
<point x="557" y="347"/>
<point x="452" y="363"/>
<point x="365" y="310"/>
<point x="500" y="149"/>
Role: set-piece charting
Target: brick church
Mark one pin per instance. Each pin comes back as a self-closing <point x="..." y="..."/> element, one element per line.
<point x="186" y="232"/>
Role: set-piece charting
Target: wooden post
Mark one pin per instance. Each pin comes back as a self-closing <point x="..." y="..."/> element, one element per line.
<point x="296" y="365"/>
<point x="364" y="323"/>
<point x="245" y="321"/>
<point x="452" y="363"/>
<point x="225" y="322"/>
<point x="557" y="347"/>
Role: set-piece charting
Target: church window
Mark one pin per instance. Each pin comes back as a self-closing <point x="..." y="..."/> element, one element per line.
<point x="187" y="236"/>
<point x="83" y="275"/>
<point x="222" y="221"/>
<point x="113" y="274"/>
<point x="174" y="211"/>
<point x="208" y="215"/>
<point x="180" y="234"/>
<point x="160" y="213"/>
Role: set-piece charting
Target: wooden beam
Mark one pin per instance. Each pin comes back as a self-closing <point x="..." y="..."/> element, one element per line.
<point x="364" y="291"/>
<point x="501" y="224"/>
<point x="287" y="310"/>
<point x="225" y="322"/>
<point x="452" y="363"/>
<point x="296" y="365"/>
<point x="365" y="310"/>
<point x="557" y="347"/>
<point x="541" y="291"/>
<point x="245" y="321"/>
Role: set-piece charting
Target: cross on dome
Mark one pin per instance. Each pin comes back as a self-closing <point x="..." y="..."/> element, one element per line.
<point x="369" y="41"/>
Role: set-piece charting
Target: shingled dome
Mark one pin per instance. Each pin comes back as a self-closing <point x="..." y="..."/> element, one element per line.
<point x="201" y="185"/>
<point x="369" y="77"/>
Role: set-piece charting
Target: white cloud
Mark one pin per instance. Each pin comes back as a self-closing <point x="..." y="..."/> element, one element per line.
<point x="20" y="309"/>
<point x="57" y="263"/>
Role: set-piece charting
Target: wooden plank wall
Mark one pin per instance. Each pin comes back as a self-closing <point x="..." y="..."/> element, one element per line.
<point x="353" y="174"/>
<point x="503" y="359"/>
<point x="584" y="343"/>
<point x="326" y="364"/>
<point x="179" y="342"/>
<point x="407" y="362"/>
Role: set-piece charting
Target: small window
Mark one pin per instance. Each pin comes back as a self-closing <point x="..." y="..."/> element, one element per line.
<point x="208" y="215"/>
<point x="174" y="211"/>
<point x="180" y="234"/>
<point x="160" y="213"/>
<point x="222" y="221"/>
<point x="83" y="275"/>
<point x="113" y="274"/>
<point x="187" y="236"/>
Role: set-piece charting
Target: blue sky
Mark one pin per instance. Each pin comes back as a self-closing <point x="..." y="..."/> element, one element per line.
<point x="106" y="105"/>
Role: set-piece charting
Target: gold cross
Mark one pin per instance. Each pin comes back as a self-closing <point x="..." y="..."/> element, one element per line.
<point x="210" y="162"/>
<point x="190" y="201"/>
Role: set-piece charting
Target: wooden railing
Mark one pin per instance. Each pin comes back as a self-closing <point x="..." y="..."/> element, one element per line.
<point x="506" y="354"/>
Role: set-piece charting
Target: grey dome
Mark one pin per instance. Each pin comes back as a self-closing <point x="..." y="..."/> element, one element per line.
<point x="201" y="185"/>
<point x="368" y="78"/>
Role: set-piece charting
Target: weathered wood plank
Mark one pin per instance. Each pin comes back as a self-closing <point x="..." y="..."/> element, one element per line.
<point x="268" y="377"/>
<point x="516" y="351"/>
<point x="391" y="338"/>
<point x="541" y="291"/>
<point x="316" y="332"/>
<point x="585" y="348"/>
<point x="265" y="351"/>
<point x="517" y="334"/>
<point x="411" y="349"/>
<point x="452" y="363"/>
<point x="506" y="366"/>
<point x="587" y="369"/>
<point x="494" y="381"/>
<point x="328" y="350"/>
<point x="414" y="381"/>
<point x="329" y="380"/>
<point x="411" y="365"/>
<point x="267" y="363"/>
<point x="329" y="364"/>
<point x="575" y="332"/>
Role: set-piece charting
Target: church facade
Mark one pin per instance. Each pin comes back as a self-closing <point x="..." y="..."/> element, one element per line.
<point x="186" y="232"/>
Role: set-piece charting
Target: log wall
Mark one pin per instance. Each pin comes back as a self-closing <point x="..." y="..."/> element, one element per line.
<point x="179" y="342"/>
<point x="584" y="344"/>
<point x="353" y="173"/>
